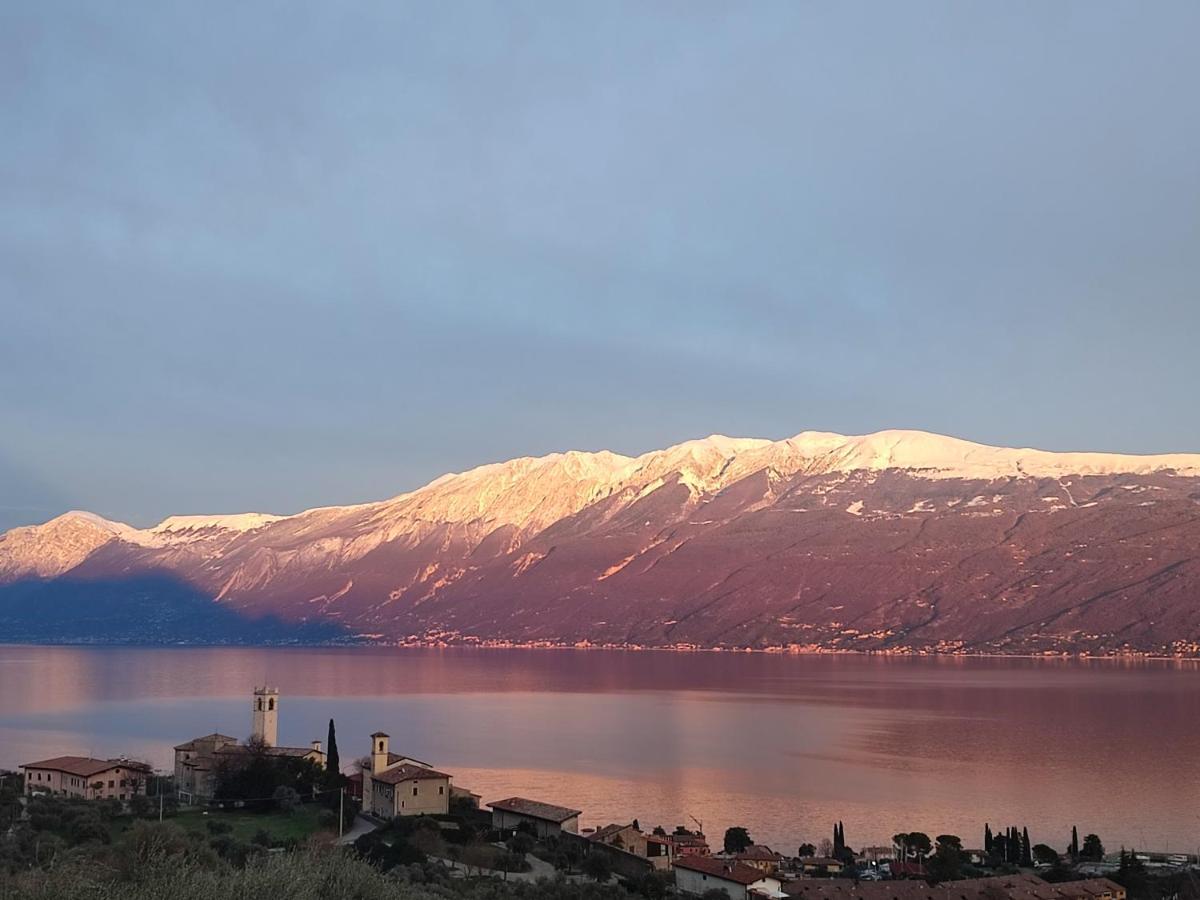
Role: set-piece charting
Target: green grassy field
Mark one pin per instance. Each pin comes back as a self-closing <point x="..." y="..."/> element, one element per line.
<point x="282" y="827"/>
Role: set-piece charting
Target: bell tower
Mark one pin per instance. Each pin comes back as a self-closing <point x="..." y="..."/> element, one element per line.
<point x="266" y="715"/>
<point x="379" y="753"/>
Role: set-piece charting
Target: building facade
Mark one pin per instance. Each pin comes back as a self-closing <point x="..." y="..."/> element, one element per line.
<point x="87" y="778"/>
<point x="395" y="785"/>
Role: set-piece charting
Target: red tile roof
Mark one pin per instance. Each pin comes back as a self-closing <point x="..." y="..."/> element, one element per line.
<point x="86" y="766"/>
<point x="407" y="772"/>
<point x="535" y="809"/>
<point x="730" y="870"/>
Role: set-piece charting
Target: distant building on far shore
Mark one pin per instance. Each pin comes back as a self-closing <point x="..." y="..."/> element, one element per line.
<point x="85" y="777"/>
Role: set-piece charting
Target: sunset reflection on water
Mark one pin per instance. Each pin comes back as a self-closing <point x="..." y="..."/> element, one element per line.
<point x="782" y="744"/>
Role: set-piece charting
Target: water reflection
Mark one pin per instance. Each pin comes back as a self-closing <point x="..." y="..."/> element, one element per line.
<point x="785" y="745"/>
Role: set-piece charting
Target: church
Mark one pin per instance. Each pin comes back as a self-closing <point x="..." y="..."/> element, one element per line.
<point x="197" y="760"/>
<point x="395" y="785"/>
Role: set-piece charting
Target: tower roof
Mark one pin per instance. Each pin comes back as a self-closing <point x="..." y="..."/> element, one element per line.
<point x="380" y="734"/>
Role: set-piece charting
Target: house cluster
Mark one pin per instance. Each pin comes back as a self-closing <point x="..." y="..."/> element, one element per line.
<point x="1001" y="887"/>
<point x="393" y="784"/>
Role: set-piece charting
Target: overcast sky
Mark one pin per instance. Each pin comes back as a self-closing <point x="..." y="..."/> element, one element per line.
<point x="270" y="257"/>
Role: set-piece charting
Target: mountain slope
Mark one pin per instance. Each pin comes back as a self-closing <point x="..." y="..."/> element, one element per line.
<point x="898" y="540"/>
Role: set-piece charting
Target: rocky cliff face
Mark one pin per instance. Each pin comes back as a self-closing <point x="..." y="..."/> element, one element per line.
<point x="896" y="540"/>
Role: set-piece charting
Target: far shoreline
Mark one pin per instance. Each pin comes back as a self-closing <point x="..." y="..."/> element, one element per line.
<point x="1125" y="656"/>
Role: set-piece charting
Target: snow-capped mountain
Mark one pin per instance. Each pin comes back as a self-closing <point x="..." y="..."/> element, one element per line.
<point x="893" y="540"/>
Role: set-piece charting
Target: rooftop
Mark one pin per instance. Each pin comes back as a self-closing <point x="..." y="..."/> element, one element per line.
<point x="216" y="737"/>
<point x="758" y="852"/>
<point x="729" y="870"/>
<point x="85" y="766"/>
<point x="408" y="772"/>
<point x="535" y="809"/>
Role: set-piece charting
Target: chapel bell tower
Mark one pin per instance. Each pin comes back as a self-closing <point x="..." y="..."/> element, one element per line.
<point x="266" y="715"/>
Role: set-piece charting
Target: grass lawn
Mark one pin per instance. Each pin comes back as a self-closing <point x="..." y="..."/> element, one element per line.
<point x="298" y="824"/>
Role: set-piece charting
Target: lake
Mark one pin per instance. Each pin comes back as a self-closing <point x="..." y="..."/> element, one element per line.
<point x="784" y="745"/>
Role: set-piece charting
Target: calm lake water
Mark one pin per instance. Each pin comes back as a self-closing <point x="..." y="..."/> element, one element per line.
<point x="782" y="744"/>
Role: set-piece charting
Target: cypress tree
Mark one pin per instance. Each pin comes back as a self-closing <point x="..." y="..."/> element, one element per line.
<point x="987" y="838"/>
<point x="1026" y="854"/>
<point x="333" y="763"/>
<point x="1073" y="851"/>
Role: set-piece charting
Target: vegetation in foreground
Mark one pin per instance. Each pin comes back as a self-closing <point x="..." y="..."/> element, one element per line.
<point x="162" y="862"/>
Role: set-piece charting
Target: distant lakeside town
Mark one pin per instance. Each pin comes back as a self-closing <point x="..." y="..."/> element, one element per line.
<point x="243" y="803"/>
<point x="1182" y="652"/>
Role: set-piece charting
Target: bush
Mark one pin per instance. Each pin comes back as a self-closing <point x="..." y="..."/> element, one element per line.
<point x="286" y="798"/>
<point x="217" y="826"/>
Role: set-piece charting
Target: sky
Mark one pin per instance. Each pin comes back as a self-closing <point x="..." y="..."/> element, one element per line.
<point x="269" y="256"/>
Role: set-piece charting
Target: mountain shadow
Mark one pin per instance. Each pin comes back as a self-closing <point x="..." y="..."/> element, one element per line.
<point x="145" y="608"/>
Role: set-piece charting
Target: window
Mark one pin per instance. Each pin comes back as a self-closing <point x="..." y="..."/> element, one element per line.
<point x="110" y="784"/>
<point x="414" y="789"/>
<point x="441" y="789"/>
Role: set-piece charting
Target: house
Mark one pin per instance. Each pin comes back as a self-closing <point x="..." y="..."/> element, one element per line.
<point x="395" y="785"/>
<point x="656" y="849"/>
<point x="759" y="857"/>
<point x="1091" y="889"/>
<point x="689" y="843"/>
<point x="545" y="819"/>
<point x="85" y="777"/>
<point x="197" y="760"/>
<point x="820" y="865"/>
<point x="696" y="875"/>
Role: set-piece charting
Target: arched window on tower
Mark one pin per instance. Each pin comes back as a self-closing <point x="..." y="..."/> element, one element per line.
<point x="260" y="704"/>
<point x="271" y="703"/>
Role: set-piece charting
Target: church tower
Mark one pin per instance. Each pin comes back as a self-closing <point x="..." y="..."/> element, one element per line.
<point x="266" y="715"/>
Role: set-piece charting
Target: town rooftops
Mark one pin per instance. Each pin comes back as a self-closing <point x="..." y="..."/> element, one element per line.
<point x="846" y="889"/>
<point x="535" y="809"/>
<point x="1001" y="887"/>
<point x="85" y="766"/>
<point x="1089" y="887"/>
<point x="407" y="772"/>
<point x="729" y="870"/>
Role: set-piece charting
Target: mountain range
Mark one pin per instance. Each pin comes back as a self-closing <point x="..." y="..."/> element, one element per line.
<point x="898" y="541"/>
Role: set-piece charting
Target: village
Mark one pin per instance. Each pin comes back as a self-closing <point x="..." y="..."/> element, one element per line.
<point x="392" y="807"/>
